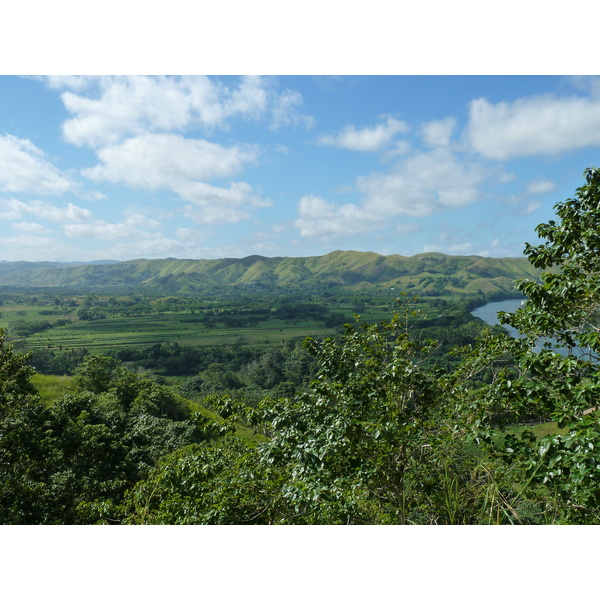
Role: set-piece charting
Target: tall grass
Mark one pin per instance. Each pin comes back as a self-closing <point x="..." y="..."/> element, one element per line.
<point x="53" y="387"/>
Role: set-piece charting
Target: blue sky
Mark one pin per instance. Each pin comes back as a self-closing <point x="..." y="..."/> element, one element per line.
<point x="123" y="167"/>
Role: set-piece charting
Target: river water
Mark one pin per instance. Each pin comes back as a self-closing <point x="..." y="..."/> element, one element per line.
<point x="489" y="312"/>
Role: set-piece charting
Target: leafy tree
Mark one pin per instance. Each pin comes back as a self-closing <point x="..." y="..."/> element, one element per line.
<point x="72" y="462"/>
<point x="96" y="373"/>
<point x="551" y="371"/>
<point x="14" y="373"/>
<point x="21" y="419"/>
<point x="372" y="441"/>
<point x="214" y="483"/>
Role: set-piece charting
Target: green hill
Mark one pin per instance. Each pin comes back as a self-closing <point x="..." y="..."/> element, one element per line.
<point x="430" y="273"/>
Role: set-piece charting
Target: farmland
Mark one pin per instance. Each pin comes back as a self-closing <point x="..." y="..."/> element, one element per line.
<point x="102" y="323"/>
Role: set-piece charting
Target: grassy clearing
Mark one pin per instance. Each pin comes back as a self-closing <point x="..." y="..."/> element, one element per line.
<point x="53" y="387"/>
<point x="540" y="430"/>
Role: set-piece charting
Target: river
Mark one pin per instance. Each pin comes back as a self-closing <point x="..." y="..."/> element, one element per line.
<point x="489" y="312"/>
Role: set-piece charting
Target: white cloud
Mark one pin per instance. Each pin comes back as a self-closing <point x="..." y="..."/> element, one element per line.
<point x="168" y="161"/>
<point x="534" y="125"/>
<point x="398" y="148"/>
<point x="158" y="247"/>
<point x="422" y="185"/>
<point x="33" y="247"/>
<point x="135" y="226"/>
<point x="74" y="82"/>
<point x="531" y="207"/>
<point x="586" y="83"/>
<point x="212" y="205"/>
<point x="286" y="111"/>
<point x="105" y="231"/>
<point x="318" y="217"/>
<point x="134" y="105"/>
<point x="155" y="161"/>
<point x="24" y="168"/>
<point x="28" y="241"/>
<point x="15" y="209"/>
<point x="461" y="248"/>
<point x="369" y="139"/>
<point x="203" y="194"/>
<point x="438" y="133"/>
<point x="29" y="227"/>
<point x="418" y="186"/>
<point x="108" y="109"/>
<point x="540" y="187"/>
<point x="92" y="196"/>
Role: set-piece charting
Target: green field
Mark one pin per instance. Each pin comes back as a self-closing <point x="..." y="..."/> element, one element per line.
<point x="190" y="327"/>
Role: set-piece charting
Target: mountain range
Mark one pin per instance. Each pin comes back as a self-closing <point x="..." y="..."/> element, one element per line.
<point x="430" y="273"/>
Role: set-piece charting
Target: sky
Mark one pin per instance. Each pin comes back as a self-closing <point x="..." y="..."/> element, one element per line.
<point x="124" y="167"/>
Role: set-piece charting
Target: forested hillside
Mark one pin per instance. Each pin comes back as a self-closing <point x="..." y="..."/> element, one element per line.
<point x="426" y="274"/>
<point x="385" y="425"/>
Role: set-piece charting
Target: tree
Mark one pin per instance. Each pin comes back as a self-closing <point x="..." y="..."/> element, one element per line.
<point x="215" y="483"/>
<point x="372" y="441"/>
<point x="14" y="372"/>
<point x="565" y="304"/>
<point x="73" y="461"/>
<point x="551" y="371"/>
<point x="96" y="373"/>
<point x="21" y="422"/>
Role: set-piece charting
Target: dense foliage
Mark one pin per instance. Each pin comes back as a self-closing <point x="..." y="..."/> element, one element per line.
<point x="379" y="425"/>
<point x="72" y="462"/>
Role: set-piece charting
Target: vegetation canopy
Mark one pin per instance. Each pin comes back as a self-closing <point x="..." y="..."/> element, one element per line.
<point x="379" y="422"/>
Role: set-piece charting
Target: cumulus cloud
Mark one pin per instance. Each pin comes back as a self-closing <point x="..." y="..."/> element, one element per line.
<point x="34" y="247"/>
<point x="531" y="207"/>
<point x="318" y="217"/>
<point x="133" y="105"/>
<point x="422" y="184"/>
<point x="542" y="186"/>
<point x="438" y="133"/>
<point x="459" y="248"/>
<point x="15" y="209"/>
<point x="418" y="186"/>
<point x="24" y="169"/>
<point x="134" y="226"/>
<point x="287" y="111"/>
<point x="172" y="162"/>
<point x="73" y="82"/>
<point x="29" y="227"/>
<point x="28" y="241"/>
<point x="533" y="125"/>
<point x="157" y="247"/>
<point x="136" y="126"/>
<point x="108" y="109"/>
<point x="368" y="139"/>
<point x="162" y="161"/>
<point x="211" y="204"/>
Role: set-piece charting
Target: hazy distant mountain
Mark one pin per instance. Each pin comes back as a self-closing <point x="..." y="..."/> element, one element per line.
<point x="429" y="273"/>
